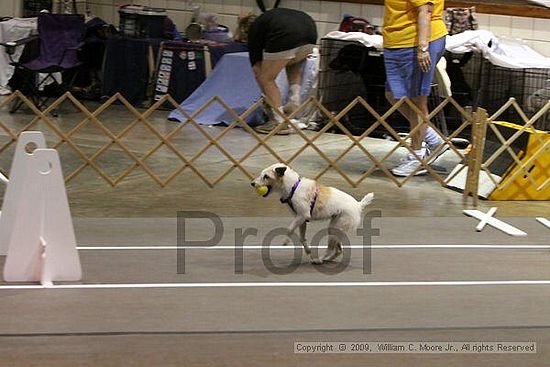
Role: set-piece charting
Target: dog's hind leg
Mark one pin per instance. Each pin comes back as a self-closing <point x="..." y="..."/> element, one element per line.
<point x="312" y="259"/>
<point x="335" y="238"/>
<point x="330" y="251"/>
<point x="307" y="248"/>
<point x="334" y="249"/>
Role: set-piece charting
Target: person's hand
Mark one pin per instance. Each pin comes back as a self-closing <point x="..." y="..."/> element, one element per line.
<point x="424" y="60"/>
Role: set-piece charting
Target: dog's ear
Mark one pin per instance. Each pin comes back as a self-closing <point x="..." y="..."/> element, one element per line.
<point x="280" y="171"/>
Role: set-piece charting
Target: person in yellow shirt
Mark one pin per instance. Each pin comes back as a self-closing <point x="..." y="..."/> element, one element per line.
<point x="414" y="41"/>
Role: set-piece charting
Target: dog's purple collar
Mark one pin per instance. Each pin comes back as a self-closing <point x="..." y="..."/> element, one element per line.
<point x="288" y="200"/>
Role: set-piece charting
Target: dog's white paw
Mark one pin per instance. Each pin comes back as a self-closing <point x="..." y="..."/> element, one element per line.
<point x="332" y="255"/>
<point x="316" y="261"/>
<point x="328" y="254"/>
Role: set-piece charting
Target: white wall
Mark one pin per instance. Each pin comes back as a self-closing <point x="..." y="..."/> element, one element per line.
<point x="80" y="5"/>
<point x="536" y="32"/>
<point x="14" y="8"/>
<point x="10" y="8"/>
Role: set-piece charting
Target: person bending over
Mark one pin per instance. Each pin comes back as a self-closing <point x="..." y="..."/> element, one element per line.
<point x="414" y="41"/>
<point x="280" y="38"/>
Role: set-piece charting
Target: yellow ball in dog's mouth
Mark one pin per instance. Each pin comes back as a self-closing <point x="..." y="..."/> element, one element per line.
<point x="262" y="190"/>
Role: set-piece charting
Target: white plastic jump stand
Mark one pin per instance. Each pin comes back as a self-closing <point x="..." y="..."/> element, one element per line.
<point x="36" y="225"/>
<point x="28" y="140"/>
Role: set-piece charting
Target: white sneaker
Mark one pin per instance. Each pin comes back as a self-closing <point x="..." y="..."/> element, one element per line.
<point x="269" y="126"/>
<point x="408" y="166"/>
<point x="443" y="147"/>
<point x="289" y="108"/>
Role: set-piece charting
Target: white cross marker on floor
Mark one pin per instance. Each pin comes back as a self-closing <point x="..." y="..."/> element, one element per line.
<point x="487" y="218"/>
<point x="544" y="221"/>
<point x="483" y="222"/>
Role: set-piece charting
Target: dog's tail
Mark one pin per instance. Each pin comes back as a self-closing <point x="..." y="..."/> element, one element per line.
<point x="366" y="200"/>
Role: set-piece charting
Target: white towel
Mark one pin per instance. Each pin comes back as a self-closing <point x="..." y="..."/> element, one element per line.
<point x="540" y="2"/>
<point x="12" y="30"/>
<point x="369" y="40"/>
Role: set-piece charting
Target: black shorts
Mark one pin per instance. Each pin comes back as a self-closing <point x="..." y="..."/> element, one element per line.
<point x="279" y="30"/>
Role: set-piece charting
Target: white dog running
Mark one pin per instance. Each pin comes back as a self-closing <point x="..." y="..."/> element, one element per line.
<point x="309" y="200"/>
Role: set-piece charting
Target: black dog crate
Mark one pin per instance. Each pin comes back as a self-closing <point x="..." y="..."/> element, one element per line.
<point x="475" y="81"/>
<point x="141" y="21"/>
<point x="464" y="71"/>
<point x="31" y="8"/>
<point x="530" y="88"/>
<point x="349" y="69"/>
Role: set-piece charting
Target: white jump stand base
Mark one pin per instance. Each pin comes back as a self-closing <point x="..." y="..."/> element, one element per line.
<point x="36" y="227"/>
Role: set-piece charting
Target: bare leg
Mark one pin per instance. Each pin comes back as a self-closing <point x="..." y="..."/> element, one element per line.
<point x="294" y="76"/>
<point x="414" y="119"/>
<point x="422" y="103"/>
<point x="266" y="72"/>
<point x="294" y="71"/>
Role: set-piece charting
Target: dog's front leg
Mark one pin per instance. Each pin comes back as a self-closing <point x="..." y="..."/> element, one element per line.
<point x="296" y="222"/>
<point x="307" y="249"/>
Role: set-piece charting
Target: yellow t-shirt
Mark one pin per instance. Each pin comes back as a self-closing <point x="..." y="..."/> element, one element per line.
<point x="400" y="22"/>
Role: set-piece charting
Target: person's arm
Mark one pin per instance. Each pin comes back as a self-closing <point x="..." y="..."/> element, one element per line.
<point x="424" y="29"/>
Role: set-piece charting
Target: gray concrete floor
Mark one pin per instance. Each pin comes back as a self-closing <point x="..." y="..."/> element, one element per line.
<point x="258" y="326"/>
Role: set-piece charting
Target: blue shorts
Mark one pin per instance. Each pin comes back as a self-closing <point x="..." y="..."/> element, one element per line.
<point x="403" y="75"/>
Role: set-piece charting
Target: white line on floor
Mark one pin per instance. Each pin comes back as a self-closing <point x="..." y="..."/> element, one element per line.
<point x="278" y="247"/>
<point x="282" y="284"/>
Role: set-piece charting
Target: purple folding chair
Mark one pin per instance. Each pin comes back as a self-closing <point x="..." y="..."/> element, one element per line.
<point x="60" y="36"/>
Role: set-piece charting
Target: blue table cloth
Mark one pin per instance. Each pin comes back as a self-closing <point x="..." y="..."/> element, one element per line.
<point x="233" y="81"/>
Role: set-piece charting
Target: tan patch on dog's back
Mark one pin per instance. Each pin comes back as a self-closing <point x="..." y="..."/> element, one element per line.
<point x="323" y="195"/>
